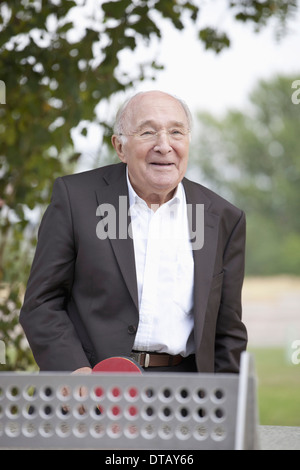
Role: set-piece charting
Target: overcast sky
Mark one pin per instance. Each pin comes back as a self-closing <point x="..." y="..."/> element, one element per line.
<point x="216" y="82"/>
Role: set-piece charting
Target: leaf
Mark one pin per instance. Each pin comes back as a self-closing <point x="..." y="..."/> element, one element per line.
<point x="169" y="9"/>
<point x="145" y="27"/>
<point x="214" y="40"/>
<point x="65" y="27"/>
<point x="116" y="9"/>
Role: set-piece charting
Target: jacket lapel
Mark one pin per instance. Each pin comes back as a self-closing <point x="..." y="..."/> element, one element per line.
<point x="204" y="257"/>
<point x="115" y="196"/>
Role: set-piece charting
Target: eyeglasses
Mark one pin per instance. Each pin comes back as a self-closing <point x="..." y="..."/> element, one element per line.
<point x="150" y="135"/>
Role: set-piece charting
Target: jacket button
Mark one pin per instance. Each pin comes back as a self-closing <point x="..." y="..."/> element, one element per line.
<point x="132" y="329"/>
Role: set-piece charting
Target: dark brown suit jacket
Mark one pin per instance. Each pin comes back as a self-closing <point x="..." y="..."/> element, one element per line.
<point x="81" y="302"/>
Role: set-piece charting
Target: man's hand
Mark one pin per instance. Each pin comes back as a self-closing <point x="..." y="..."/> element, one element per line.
<point x="82" y="370"/>
<point x="82" y="390"/>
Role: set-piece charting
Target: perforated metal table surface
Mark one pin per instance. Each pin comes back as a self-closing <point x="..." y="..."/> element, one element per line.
<point x="128" y="411"/>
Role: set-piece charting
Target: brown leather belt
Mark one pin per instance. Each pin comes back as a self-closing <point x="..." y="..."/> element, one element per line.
<point x="152" y="359"/>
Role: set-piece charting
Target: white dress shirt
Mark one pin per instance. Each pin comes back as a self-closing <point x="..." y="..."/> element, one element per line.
<point x="165" y="274"/>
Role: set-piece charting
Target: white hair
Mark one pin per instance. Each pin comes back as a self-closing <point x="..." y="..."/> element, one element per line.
<point x="119" y="126"/>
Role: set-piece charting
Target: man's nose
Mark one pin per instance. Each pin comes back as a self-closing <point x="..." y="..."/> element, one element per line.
<point x="163" y="143"/>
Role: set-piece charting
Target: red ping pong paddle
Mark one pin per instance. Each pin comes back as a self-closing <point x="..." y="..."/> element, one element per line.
<point x="118" y="364"/>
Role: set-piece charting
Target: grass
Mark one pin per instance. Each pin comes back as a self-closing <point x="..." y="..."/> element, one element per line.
<point x="278" y="390"/>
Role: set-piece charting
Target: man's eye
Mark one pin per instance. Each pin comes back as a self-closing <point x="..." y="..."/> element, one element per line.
<point x="147" y="133"/>
<point x="176" y="132"/>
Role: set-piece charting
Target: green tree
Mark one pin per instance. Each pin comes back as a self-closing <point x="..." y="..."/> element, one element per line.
<point x="253" y="157"/>
<point x="58" y="60"/>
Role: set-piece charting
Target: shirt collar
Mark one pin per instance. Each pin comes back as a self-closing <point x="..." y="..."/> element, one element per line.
<point x="134" y="198"/>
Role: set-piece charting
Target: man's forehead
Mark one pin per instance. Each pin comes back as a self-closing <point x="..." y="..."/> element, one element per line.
<point x="151" y="107"/>
<point x="156" y="101"/>
<point x="153" y="123"/>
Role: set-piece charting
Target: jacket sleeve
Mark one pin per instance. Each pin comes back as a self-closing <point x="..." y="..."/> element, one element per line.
<point x="231" y="334"/>
<point x="44" y="318"/>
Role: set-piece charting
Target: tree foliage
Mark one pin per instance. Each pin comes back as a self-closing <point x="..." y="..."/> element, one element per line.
<point x="253" y="158"/>
<point x="58" y="60"/>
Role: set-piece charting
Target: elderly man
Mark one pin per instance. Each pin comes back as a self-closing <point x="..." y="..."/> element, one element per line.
<point x="133" y="281"/>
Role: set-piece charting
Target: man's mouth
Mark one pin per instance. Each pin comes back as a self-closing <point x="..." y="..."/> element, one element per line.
<point x="161" y="164"/>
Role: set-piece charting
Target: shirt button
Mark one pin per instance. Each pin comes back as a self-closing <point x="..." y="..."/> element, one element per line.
<point x="132" y="329"/>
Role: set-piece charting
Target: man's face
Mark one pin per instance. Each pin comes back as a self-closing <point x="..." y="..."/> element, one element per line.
<point x="157" y="145"/>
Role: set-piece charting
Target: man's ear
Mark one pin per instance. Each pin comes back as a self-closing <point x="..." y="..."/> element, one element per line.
<point x="119" y="147"/>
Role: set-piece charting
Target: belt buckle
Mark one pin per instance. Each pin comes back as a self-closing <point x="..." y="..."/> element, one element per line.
<point x="138" y="356"/>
